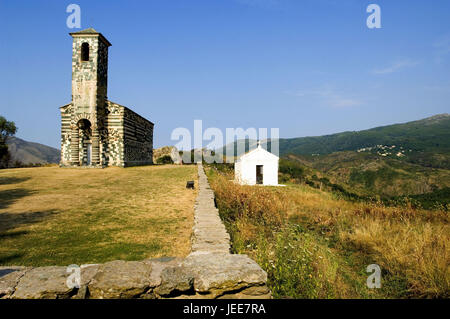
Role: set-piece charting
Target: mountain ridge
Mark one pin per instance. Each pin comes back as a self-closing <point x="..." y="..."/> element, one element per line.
<point x="31" y="152"/>
<point x="417" y="135"/>
<point x="420" y="141"/>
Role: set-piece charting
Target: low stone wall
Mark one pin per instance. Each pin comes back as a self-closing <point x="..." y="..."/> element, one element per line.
<point x="210" y="271"/>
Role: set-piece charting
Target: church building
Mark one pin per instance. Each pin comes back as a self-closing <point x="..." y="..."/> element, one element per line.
<point x="96" y="132"/>
<point x="257" y="167"/>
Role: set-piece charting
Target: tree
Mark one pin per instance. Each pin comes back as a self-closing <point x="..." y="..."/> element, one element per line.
<point x="7" y="128"/>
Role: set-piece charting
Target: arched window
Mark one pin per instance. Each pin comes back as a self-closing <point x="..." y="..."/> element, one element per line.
<point x="85" y="51"/>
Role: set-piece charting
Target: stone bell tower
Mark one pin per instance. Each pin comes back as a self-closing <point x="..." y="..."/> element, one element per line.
<point x="89" y="95"/>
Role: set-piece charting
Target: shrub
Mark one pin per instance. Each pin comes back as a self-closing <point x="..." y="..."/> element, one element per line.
<point x="253" y="204"/>
<point x="166" y="159"/>
<point x="297" y="266"/>
<point x="292" y="169"/>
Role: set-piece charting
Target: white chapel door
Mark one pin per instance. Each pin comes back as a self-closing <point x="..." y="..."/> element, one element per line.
<point x="259" y="174"/>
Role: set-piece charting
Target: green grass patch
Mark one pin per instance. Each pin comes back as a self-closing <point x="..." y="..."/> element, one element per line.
<point x="56" y="216"/>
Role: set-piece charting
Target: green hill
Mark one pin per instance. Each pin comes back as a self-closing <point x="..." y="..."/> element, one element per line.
<point x="369" y="174"/>
<point x="425" y="142"/>
<point x="389" y="161"/>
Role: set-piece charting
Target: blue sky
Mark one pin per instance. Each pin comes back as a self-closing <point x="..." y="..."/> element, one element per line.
<point x="307" y="67"/>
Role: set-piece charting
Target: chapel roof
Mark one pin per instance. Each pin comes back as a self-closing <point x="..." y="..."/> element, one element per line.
<point x="257" y="150"/>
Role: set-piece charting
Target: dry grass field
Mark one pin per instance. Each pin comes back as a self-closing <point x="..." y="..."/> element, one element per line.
<point x="63" y="216"/>
<point x="314" y="244"/>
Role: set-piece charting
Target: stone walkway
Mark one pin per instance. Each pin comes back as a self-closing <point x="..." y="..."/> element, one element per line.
<point x="209" y="233"/>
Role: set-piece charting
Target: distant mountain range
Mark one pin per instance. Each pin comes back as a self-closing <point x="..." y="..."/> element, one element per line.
<point x="427" y="135"/>
<point x="32" y="153"/>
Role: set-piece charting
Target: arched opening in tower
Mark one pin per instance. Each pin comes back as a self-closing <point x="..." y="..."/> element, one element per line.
<point x="85" y="51"/>
<point x="85" y="140"/>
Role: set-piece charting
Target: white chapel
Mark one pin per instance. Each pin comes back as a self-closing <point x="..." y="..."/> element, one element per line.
<point x="257" y="167"/>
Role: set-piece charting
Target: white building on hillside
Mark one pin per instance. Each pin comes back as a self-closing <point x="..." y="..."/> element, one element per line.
<point x="257" y="167"/>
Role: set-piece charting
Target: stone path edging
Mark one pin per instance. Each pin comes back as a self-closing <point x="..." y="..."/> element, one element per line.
<point x="209" y="234"/>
